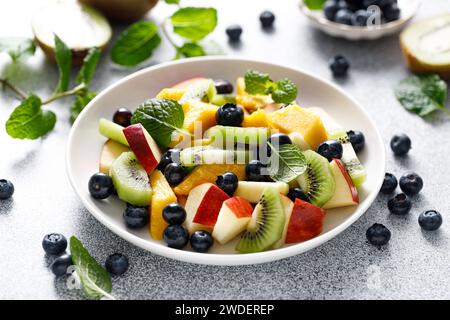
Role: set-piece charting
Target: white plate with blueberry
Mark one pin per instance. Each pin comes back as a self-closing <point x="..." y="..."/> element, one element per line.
<point x="360" y="19"/>
<point x="336" y="175"/>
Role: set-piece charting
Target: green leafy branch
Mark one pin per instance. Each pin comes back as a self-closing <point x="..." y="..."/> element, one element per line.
<point x="29" y="120"/>
<point x="138" y="42"/>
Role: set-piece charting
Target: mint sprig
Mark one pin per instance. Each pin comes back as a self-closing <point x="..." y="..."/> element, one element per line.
<point x="63" y="57"/>
<point x="194" y="23"/>
<point x="282" y="91"/>
<point x="286" y="163"/>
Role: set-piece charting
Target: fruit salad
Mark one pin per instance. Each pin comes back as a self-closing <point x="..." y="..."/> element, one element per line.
<point x="202" y="164"/>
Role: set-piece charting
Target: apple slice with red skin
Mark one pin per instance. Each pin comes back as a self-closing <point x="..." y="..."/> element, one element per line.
<point x="203" y="206"/>
<point x="111" y="151"/>
<point x="186" y="83"/>
<point x="345" y="193"/>
<point x="233" y="218"/>
<point x="143" y="146"/>
<point x="288" y="205"/>
<point x="306" y="222"/>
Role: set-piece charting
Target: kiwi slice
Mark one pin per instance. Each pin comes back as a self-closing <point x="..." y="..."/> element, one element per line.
<point x="112" y="131"/>
<point x="267" y="224"/>
<point x="351" y="162"/>
<point x="130" y="180"/>
<point x="317" y="181"/>
<point x="202" y="90"/>
<point x="208" y="155"/>
<point x="222" y="136"/>
<point x="426" y="45"/>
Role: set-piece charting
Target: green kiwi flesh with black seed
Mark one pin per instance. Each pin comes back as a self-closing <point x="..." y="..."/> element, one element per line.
<point x="130" y="180"/>
<point x="317" y="181"/>
<point x="266" y="226"/>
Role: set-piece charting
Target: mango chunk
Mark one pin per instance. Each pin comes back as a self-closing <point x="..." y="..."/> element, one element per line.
<point x="251" y="102"/>
<point x="207" y="173"/>
<point x="256" y="119"/>
<point x="293" y="118"/>
<point x="201" y="112"/>
<point x="162" y="196"/>
<point x="171" y="94"/>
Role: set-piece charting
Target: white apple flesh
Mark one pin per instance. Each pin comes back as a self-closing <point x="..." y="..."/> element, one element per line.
<point x="345" y="193"/>
<point x="252" y="190"/>
<point x="111" y="151"/>
<point x="288" y="205"/>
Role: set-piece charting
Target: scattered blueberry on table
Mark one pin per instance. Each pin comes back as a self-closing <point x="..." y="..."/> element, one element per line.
<point x="430" y="220"/>
<point x="6" y="189"/>
<point x="267" y="19"/>
<point x="400" y="144"/>
<point x="339" y="66"/>
<point x="400" y="204"/>
<point x="54" y="244"/>
<point x="116" y="264"/>
<point x="389" y="183"/>
<point x="378" y="235"/>
<point x="59" y="265"/>
<point x="411" y="184"/>
<point x="234" y="33"/>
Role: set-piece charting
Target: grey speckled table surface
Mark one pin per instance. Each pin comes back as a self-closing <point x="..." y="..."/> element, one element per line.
<point x="414" y="264"/>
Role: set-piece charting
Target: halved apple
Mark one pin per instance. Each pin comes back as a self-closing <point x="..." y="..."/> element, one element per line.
<point x="111" y="151"/>
<point x="305" y="223"/>
<point x="288" y="205"/>
<point x="233" y="218"/>
<point x="203" y="206"/>
<point x="252" y="190"/>
<point x="345" y="193"/>
<point x="143" y="146"/>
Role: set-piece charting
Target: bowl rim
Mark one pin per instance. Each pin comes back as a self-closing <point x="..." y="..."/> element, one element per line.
<point x="358" y="29"/>
<point x="214" y="258"/>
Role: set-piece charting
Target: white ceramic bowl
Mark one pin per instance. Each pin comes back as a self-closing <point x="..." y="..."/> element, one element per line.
<point x="316" y="17"/>
<point x="84" y="146"/>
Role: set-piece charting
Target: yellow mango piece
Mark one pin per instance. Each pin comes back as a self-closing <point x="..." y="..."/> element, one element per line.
<point x="256" y="119"/>
<point x="162" y="196"/>
<point x="171" y="93"/>
<point x="198" y="111"/>
<point x="296" y="119"/>
<point x="207" y="173"/>
<point x="250" y="102"/>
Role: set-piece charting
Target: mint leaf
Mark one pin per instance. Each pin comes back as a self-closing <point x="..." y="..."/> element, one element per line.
<point x="189" y="50"/>
<point x="63" y="57"/>
<point x="95" y="280"/>
<point x="89" y="65"/>
<point x="194" y="23"/>
<point x="136" y="44"/>
<point x="285" y="91"/>
<point x="172" y="1"/>
<point x="287" y="162"/>
<point x="81" y="101"/>
<point x="422" y="94"/>
<point x="314" y="4"/>
<point x="161" y="117"/>
<point x="29" y="121"/>
<point x="257" y="82"/>
<point x="17" y="47"/>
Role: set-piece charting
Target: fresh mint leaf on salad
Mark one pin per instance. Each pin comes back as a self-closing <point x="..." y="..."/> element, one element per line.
<point x="160" y="117"/>
<point x="17" y="47"/>
<point x="286" y="163"/>
<point x="422" y="94"/>
<point x="194" y="23"/>
<point x="95" y="280"/>
<point x="136" y="44"/>
<point x="314" y="4"/>
<point x="282" y="91"/>
<point x="63" y="57"/>
<point x="29" y="121"/>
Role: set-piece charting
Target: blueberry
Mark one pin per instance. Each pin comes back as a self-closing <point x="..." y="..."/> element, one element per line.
<point x="234" y="33"/>
<point x="59" y="265"/>
<point x="360" y="18"/>
<point x="430" y="220"/>
<point x="357" y="140"/>
<point x="223" y="86"/>
<point x="176" y="236"/>
<point x="168" y="157"/>
<point x="400" y="144"/>
<point x="411" y="184"/>
<point x="354" y="4"/>
<point x="228" y="182"/>
<point x="330" y="149"/>
<point x="6" y="189"/>
<point x="122" y="117"/>
<point x="230" y="115"/>
<point x="201" y="241"/>
<point x="297" y="193"/>
<point x="400" y="204"/>
<point x="100" y="186"/>
<point x="391" y="12"/>
<point x="135" y="217"/>
<point x="174" y="213"/>
<point x="54" y="244"/>
<point x="254" y="170"/>
<point x="117" y="264"/>
<point x="339" y="66"/>
<point x="174" y="173"/>
<point x="276" y="140"/>
<point x="378" y="234"/>
<point x="330" y="8"/>
<point x="343" y="16"/>
<point x="267" y="19"/>
<point x="389" y="183"/>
